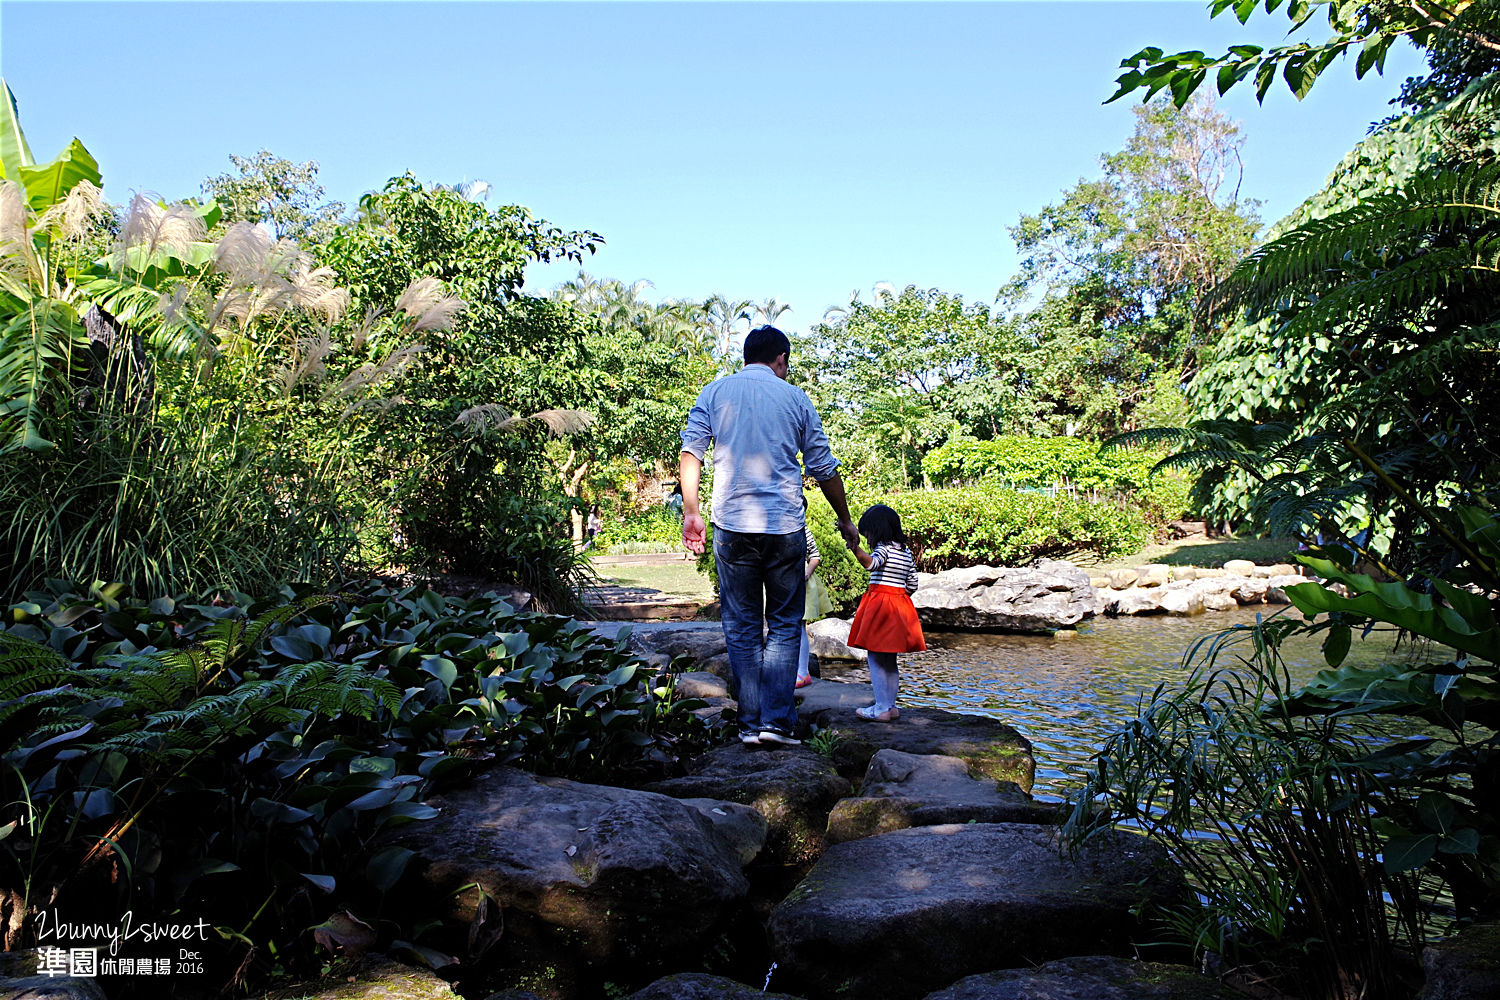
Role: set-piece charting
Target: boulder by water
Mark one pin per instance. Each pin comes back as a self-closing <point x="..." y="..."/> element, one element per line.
<point x="374" y="978"/>
<point x="616" y="869"/>
<point x="1040" y="598"/>
<point x="1465" y="966"/>
<point x="898" y="915"/>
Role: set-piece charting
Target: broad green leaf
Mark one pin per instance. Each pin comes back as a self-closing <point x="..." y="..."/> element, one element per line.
<point x="1336" y="646"/>
<point x="273" y="812"/>
<point x="1465" y="841"/>
<point x="294" y="647"/>
<point x="374" y="800"/>
<point x="1395" y="604"/>
<point x="152" y="267"/>
<point x="325" y="883"/>
<point x="1408" y="853"/>
<point x="14" y="152"/>
<point x="442" y="668"/>
<point x="49" y="184"/>
<point x="386" y="867"/>
<point x="1437" y="812"/>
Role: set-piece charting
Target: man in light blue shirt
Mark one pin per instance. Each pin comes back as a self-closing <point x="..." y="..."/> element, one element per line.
<point x="758" y="424"/>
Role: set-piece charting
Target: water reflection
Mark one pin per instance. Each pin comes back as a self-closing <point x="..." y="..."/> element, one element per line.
<point x="1066" y="693"/>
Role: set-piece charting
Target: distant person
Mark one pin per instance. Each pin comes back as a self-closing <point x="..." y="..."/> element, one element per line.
<point x="674" y="501"/>
<point x="758" y="424"/>
<point x="815" y="607"/>
<point x="592" y="527"/>
<point x="886" y="621"/>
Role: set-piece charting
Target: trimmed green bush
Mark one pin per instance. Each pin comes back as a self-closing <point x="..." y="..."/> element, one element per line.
<point x="659" y="525"/>
<point x="1043" y="463"/>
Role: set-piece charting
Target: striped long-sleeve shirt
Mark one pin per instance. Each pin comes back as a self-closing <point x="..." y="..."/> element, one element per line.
<point x="893" y="565"/>
<point x="812" y="545"/>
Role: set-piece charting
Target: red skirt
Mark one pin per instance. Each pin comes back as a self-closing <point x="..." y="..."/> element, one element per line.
<point x="886" y="622"/>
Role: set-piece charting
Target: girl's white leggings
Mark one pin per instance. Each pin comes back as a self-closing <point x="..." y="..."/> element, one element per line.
<point x="884" y="679"/>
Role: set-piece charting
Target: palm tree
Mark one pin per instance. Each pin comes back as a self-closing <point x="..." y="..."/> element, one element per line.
<point x="770" y="309"/>
<point x="726" y="315"/>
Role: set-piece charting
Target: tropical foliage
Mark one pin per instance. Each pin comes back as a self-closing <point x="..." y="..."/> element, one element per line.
<point x="1299" y="819"/>
<point x="1349" y="402"/>
<point x="239" y="761"/>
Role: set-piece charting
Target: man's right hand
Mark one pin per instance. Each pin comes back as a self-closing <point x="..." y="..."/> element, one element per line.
<point x="850" y="533"/>
<point x="694" y="532"/>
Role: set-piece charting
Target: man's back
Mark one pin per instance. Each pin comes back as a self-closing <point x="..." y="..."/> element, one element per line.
<point x="758" y="424"/>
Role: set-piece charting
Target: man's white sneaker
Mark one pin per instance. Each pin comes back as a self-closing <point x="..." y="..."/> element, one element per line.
<point x="772" y="736"/>
<point x="750" y="738"/>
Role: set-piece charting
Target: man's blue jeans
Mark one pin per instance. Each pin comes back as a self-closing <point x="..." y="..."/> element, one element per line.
<point x="761" y="578"/>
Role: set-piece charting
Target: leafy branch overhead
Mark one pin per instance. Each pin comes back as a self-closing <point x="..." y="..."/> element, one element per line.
<point x="1368" y="30"/>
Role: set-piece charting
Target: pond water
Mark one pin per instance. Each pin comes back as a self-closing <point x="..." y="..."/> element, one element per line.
<point x="1067" y="693"/>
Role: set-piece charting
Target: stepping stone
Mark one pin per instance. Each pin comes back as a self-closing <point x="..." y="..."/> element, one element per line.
<point x="611" y="870"/>
<point x="903" y="790"/>
<point x="698" y="986"/>
<point x="899" y="915"/>
<point x="792" y="787"/>
<point x="990" y="748"/>
<point x="1093" y="977"/>
<point x="626" y="603"/>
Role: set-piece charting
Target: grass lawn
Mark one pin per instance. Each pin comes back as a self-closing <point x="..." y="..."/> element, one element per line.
<point x="1200" y="551"/>
<point x="678" y="578"/>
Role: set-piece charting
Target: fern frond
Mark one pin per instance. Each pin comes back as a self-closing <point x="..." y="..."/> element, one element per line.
<point x="1385" y="223"/>
<point x="1410" y="287"/>
<point x="18" y="655"/>
<point x="1292" y="513"/>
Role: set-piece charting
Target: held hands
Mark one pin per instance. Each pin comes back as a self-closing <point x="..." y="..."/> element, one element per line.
<point x="693" y="533"/>
<point x="850" y="533"/>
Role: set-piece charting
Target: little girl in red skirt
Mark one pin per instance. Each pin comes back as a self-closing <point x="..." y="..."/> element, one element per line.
<point x="886" y="622"/>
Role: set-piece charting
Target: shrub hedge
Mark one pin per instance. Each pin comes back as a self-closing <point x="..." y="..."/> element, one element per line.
<point x="1041" y="463"/>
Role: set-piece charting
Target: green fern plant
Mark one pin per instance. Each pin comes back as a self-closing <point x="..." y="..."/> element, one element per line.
<point x="1365" y="366"/>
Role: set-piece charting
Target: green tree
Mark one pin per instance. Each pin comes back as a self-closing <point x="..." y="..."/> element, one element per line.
<point x="897" y="375"/>
<point x="284" y="195"/>
<point x="1366" y="29"/>
<point x="1352" y="394"/>
<point x="464" y="448"/>
<point x="1140" y="250"/>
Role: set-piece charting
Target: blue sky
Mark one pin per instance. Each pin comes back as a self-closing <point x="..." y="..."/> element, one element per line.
<point x="793" y="150"/>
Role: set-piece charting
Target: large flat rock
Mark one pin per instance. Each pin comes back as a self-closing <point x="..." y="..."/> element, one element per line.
<point x="1040" y="598"/>
<point x="1093" y="977"/>
<point x="898" y="915"/>
<point x="903" y="790"/>
<point x="989" y="748"/>
<point x="697" y="986"/>
<point x="616" y="869"/>
<point x="374" y="978"/>
<point x="792" y="788"/>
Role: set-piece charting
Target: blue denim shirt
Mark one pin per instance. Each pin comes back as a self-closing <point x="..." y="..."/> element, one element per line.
<point x="758" y="424"/>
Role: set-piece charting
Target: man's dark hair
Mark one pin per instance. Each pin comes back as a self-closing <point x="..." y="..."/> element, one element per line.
<point x="881" y="525"/>
<point x="765" y="344"/>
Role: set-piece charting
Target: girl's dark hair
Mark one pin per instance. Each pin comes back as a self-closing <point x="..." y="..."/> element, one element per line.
<point x="881" y="525"/>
